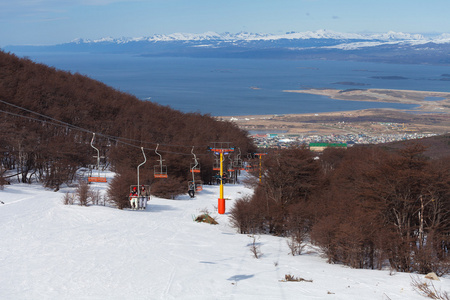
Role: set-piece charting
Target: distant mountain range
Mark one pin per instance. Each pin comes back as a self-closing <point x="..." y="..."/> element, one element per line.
<point x="391" y="47"/>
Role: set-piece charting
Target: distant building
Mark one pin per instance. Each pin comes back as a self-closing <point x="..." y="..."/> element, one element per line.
<point x="319" y="147"/>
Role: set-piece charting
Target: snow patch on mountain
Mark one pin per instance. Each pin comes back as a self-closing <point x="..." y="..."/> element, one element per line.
<point x="246" y="36"/>
<point x="442" y="39"/>
<point x="357" y="45"/>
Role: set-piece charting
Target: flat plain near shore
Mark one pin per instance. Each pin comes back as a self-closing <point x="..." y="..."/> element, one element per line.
<point x="430" y="116"/>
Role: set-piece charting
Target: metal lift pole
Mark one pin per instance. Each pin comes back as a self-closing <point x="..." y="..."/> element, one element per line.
<point x="221" y="198"/>
<point x="145" y="160"/>
<point x="98" y="154"/>
<point x="195" y="166"/>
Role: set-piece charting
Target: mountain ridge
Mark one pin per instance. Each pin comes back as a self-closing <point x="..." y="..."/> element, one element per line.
<point x="247" y="36"/>
<point x="389" y="47"/>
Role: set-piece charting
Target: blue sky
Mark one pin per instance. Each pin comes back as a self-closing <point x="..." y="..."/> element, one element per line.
<point x="40" y="22"/>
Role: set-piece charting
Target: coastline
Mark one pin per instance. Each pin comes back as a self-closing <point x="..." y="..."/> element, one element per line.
<point x="386" y="95"/>
<point x="431" y="115"/>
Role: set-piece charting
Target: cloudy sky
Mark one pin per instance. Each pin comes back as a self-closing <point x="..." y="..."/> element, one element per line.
<point x="41" y="22"/>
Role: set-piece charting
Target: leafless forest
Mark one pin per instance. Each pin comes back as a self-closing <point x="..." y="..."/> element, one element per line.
<point x="366" y="207"/>
<point x="52" y="150"/>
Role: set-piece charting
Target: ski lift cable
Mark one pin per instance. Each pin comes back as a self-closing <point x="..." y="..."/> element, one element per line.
<point x="117" y="139"/>
<point x="85" y="130"/>
<point x="44" y="116"/>
<point x="65" y="124"/>
<point x="44" y="121"/>
<point x="114" y="138"/>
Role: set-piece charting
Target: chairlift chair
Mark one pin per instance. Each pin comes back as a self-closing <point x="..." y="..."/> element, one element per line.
<point x="159" y="171"/>
<point x="96" y="178"/>
<point x="198" y="185"/>
<point x="250" y="167"/>
<point x="230" y="167"/>
<point x="134" y="199"/>
<point x="195" y="168"/>
<point x="216" y="165"/>
<point x="237" y="162"/>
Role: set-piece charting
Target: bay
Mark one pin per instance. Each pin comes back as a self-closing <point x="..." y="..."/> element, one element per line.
<point x="233" y="87"/>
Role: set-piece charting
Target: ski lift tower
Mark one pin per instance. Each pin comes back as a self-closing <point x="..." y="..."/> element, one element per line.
<point x="221" y="148"/>
<point x="260" y="164"/>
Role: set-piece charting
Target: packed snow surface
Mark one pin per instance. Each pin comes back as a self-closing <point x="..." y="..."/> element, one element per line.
<point x="54" y="251"/>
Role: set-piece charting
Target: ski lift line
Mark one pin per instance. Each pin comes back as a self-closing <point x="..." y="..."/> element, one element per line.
<point x="110" y="137"/>
<point x="117" y="139"/>
<point x="44" y="121"/>
<point x="151" y="149"/>
<point x="79" y="128"/>
<point x="85" y="130"/>
<point x="41" y="115"/>
<point x="146" y="142"/>
<point x="82" y="129"/>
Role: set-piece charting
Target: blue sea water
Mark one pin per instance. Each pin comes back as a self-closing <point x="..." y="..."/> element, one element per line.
<point x="225" y="87"/>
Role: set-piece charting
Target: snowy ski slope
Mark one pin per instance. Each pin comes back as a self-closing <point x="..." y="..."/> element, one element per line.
<point x="55" y="251"/>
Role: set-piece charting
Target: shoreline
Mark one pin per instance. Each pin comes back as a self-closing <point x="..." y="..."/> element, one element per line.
<point x="431" y="116"/>
<point x="386" y="95"/>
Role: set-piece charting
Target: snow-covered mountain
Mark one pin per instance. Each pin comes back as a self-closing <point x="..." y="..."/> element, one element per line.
<point x="392" y="46"/>
<point x="246" y="36"/>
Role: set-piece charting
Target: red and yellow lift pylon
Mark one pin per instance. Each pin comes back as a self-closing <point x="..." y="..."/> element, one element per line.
<point x="221" y="148"/>
<point x="260" y="164"/>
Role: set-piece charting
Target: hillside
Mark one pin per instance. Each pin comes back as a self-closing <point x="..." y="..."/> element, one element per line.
<point x="435" y="147"/>
<point x="49" y="117"/>
<point x="54" y="251"/>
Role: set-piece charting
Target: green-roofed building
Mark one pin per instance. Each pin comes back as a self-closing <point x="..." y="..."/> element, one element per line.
<point x="319" y="147"/>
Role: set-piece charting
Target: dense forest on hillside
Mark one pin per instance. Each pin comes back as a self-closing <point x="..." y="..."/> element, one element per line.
<point x="366" y="207"/>
<point x="52" y="150"/>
